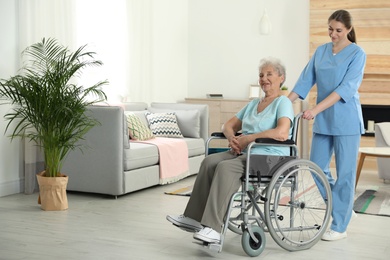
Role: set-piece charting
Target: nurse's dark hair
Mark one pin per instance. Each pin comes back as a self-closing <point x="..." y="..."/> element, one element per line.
<point x="276" y="64"/>
<point x="345" y="18"/>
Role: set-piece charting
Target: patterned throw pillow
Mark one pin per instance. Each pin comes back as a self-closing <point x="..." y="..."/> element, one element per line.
<point x="138" y="130"/>
<point x="187" y="120"/>
<point x="163" y="124"/>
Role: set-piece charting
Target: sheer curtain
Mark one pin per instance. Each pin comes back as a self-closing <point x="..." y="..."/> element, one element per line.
<point x="46" y="18"/>
<point x="140" y="85"/>
<point x="38" y="19"/>
<point x="103" y="26"/>
<point x="120" y="32"/>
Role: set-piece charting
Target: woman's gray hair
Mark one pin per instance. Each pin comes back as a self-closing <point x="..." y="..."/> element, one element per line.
<point x="276" y="64"/>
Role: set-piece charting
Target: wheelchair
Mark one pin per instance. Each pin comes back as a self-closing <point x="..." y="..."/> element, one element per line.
<point x="294" y="194"/>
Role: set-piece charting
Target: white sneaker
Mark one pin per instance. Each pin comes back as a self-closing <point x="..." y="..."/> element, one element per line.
<point x="208" y="235"/>
<point x="185" y="223"/>
<point x="332" y="235"/>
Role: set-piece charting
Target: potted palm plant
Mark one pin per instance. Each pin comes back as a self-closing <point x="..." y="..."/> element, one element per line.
<point x="284" y="90"/>
<point x="49" y="109"/>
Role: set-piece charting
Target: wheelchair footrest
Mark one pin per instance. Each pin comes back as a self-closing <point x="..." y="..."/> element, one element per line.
<point x="215" y="247"/>
<point x="212" y="246"/>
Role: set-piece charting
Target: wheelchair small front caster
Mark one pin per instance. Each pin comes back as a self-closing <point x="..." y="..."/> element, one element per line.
<point x="250" y="246"/>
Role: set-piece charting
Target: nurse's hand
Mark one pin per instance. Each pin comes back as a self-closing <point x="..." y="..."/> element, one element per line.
<point x="308" y="114"/>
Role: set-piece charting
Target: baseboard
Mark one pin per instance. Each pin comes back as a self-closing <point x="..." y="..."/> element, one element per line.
<point x="11" y="187"/>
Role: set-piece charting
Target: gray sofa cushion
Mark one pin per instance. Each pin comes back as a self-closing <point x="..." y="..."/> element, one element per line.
<point x="196" y="146"/>
<point x="140" y="155"/>
<point x="143" y="154"/>
<point x="134" y="106"/>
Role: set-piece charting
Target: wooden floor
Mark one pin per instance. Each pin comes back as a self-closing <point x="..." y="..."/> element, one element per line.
<point x="134" y="227"/>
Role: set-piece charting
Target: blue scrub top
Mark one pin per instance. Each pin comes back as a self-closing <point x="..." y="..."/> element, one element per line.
<point x="341" y="73"/>
<point x="253" y="122"/>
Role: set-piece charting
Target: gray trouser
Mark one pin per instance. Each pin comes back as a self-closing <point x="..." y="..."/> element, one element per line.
<point x="217" y="180"/>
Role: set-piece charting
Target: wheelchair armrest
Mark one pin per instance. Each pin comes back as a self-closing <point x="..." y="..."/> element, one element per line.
<point x="273" y="141"/>
<point x="269" y="141"/>
<point x="220" y="134"/>
<point x="216" y="136"/>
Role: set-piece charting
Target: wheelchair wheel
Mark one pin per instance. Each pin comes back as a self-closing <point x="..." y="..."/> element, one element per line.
<point x="298" y="206"/>
<point x="249" y="245"/>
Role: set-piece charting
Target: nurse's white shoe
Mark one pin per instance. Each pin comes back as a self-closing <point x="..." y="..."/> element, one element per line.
<point x="332" y="235"/>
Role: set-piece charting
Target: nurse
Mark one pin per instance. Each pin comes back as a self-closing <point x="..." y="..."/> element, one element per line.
<point x="337" y="69"/>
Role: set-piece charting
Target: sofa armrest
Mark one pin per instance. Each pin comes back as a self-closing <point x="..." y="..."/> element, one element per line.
<point x="135" y="106"/>
<point x="382" y="134"/>
<point x="203" y="112"/>
<point x="98" y="168"/>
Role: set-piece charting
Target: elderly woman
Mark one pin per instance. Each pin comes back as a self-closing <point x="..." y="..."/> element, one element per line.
<point x="219" y="174"/>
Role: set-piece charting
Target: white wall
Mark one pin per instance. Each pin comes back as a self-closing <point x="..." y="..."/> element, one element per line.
<point x="225" y="45"/>
<point x="170" y="50"/>
<point x="10" y="161"/>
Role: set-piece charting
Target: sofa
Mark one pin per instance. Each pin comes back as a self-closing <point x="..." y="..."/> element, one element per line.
<point x="111" y="164"/>
<point x="382" y="139"/>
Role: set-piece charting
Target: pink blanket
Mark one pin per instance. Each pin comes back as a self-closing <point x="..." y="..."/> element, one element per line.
<point x="173" y="158"/>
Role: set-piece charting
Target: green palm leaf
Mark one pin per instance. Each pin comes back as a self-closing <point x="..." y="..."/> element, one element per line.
<point x="47" y="108"/>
